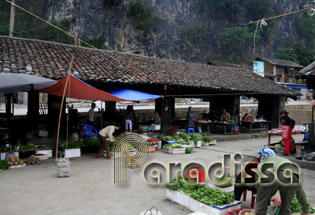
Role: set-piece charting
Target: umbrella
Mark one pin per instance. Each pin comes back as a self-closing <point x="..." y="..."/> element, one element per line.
<point x="12" y="83"/>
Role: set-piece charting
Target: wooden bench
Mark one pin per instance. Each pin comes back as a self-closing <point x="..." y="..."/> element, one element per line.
<point x="298" y="147"/>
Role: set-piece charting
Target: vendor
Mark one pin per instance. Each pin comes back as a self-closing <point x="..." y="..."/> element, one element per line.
<point x="245" y="117"/>
<point x="225" y="116"/>
<point x="191" y="118"/>
<point x="102" y="135"/>
<point x="287" y="121"/>
<point x="91" y="114"/>
<point x="272" y="184"/>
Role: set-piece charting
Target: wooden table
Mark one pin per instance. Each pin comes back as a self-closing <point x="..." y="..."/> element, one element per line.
<point x="278" y="132"/>
<point x="205" y="123"/>
<point x="251" y="123"/>
<point x="225" y="124"/>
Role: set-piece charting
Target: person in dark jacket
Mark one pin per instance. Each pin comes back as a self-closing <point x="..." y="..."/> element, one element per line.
<point x="191" y="118"/>
<point x="129" y="118"/>
<point x="290" y="123"/>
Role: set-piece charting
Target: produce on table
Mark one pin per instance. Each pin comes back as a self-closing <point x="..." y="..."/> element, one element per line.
<point x="4" y="165"/>
<point x="207" y="139"/>
<point x="189" y="149"/>
<point x="297" y="208"/>
<point x="206" y="195"/>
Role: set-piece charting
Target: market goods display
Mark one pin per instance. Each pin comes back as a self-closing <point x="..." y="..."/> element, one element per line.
<point x="206" y="195"/>
<point x="297" y="208"/>
<point x="15" y="161"/>
<point x="32" y="160"/>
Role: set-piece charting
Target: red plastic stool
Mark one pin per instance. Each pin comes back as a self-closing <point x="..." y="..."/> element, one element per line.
<point x="254" y="192"/>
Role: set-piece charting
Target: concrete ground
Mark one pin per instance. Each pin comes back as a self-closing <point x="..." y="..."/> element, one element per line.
<point x="36" y="190"/>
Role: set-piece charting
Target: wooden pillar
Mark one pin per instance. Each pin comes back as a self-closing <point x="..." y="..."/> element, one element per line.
<point x="8" y="103"/>
<point x="167" y="109"/>
<point x="33" y="105"/>
<point x="110" y="107"/>
<point x="236" y="109"/>
<point x="270" y="107"/>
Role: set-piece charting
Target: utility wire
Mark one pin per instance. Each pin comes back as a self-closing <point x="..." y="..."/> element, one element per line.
<point x="218" y="31"/>
<point x="54" y="26"/>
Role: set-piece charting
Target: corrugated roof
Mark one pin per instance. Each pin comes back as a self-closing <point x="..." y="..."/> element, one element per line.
<point x="51" y="60"/>
<point x="280" y="62"/>
<point x="308" y="70"/>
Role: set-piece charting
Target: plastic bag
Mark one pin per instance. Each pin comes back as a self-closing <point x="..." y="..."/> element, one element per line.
<point x="310" y="156"/>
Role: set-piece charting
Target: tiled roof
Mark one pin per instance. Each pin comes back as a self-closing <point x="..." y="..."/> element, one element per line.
<point x="51" y="60"/>
<point x="308" y="70"/>
<point x="226" y="64"/>
<point x="280" y="62"/>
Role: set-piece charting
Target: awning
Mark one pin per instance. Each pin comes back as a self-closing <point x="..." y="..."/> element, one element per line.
<point x="12" y="83"/>
<point x="133" y="95"/>
<point x="79" y="90"/>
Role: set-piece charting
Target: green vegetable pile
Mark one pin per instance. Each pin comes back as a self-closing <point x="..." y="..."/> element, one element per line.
<point x="28" y="147"/>
<point x="183" y="138"/>
<point x="4" y="165"/>
<point x="297" y="208"/>
<point x="206" y="195"/>
<point x="91" y="141"/>
<point x="189" y="149"/>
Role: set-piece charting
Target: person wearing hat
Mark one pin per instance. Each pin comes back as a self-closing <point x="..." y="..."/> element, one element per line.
<point x="290" y="123"/>
<point x="271" y="169"/>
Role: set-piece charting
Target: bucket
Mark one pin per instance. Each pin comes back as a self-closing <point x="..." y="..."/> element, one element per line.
<point x="63" y="167"/>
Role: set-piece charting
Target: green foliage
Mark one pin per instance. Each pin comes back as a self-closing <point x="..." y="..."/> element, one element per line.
<point x="73" y="145"/>
<point x="206" y="195"/>
<point x="3" y="149"/>
<point x="91" y="141"/>
<point x="189" y="149"/>
<point x="98" y="43"/>
<point x="237" y="40"/>
<point x="141" y="14"/>
<point x="111" y="3"/>
<point x="28" y="147"/>
<point x="297" y="208"/>
<point x="207" y="139"/>
<point x="4" y="164"/>
<point x="296" y="52"/>
<point x="4" y="18"/>
<point x="193" y="29"/>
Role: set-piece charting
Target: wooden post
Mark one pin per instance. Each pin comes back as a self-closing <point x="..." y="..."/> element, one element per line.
<point x="62" y="100"/>
<point x="12" y="19"/>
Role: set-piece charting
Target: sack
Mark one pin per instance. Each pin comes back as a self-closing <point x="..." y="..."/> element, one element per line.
<point x="63" y="167"/>
<point x="310" y="156"/>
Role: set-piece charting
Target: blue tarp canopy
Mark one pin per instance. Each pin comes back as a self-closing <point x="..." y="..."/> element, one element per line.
<point x="133" y="95"/>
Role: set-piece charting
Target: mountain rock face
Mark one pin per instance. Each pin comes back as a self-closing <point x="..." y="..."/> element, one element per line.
<point x="173" y="20"/>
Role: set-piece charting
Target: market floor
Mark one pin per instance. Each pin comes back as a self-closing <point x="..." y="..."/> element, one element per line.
<point x="36" y="190"/>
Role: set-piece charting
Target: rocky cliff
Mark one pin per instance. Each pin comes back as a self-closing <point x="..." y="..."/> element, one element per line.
<point x="112" y="27"/>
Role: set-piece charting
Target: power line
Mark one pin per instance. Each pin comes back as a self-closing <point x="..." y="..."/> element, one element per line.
<point x="218" y="31"/>
<point x="54" y="26"/>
